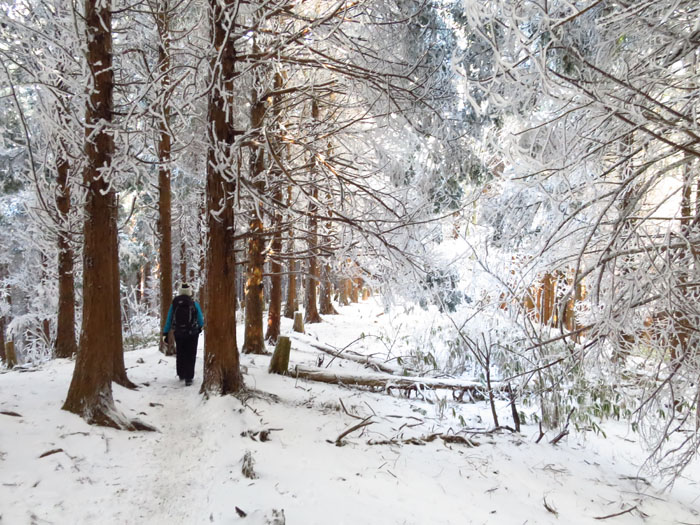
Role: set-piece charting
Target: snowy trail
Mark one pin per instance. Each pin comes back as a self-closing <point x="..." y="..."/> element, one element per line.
<point x="189" y="472"/>
<point x="177" y="460"/>
<point x="172" y="458"/>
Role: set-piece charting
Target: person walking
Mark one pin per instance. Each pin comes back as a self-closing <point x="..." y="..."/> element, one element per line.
<point x="186" y="320"/>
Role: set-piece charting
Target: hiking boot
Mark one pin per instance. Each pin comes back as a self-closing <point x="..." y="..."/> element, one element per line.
<point x="188" y="382"/>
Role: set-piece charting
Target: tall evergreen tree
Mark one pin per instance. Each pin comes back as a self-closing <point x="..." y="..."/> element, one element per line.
<point x="90" y="392"/>
<point x="222" y="372"/>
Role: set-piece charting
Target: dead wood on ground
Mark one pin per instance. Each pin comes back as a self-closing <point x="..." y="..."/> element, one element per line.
<point x="388" y="383"/>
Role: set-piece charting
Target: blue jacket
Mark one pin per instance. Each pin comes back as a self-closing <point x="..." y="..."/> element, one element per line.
<point x="169" y="320"/>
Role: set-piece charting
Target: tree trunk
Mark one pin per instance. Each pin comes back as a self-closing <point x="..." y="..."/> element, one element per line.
<point x="10" y="355"/>
<point x="279" y="363"/>
<point x="345" y="291"/>
<point x="273" y="313"/>
<point x="489" y="388"/>
<point x="165" y="255"/>
<point x="548" y="294"/>
<point x="90" y="391"/>
<point x="141" y="285"/>
<point x="183" y="260"/>
<point x="275" y="309"/>
<point x="147" y="284"/>
<point x="292" y="304"/>
<point x="310" y="308"/>
<point x="202" y="256"/>
<point x="222" y="372"/>
<point x="3" y="356"/>
<point x="298" y="323"/>
<point x="355" y="290"/>
<point x="254" y="342"/>
<point x="3" y="319"/>
<point x="65" y="324"/>
<point x="311" y="311"/>
<point x="326" y="304"/>
<point x="116" y="339"/>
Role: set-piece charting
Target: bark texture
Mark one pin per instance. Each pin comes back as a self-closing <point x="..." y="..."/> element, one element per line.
<point x="292" y="304"/>
<point x="280" y="358"/>
<point x="165" y="255"/>
<point x="66" y="344"/>
<point x="10" y="355"/>
<point x="310" y="308"/>
<point x="3" y="319"/>
<point x="275" y="309"/>
<point x="325" y="300"/>
<point x="254" y="301"/>
<point x="183" y="260"/>
<point x="222" y="374"/>
<point x="298" y="323"/>
<point x="345" y="291"/>
<point x="90" y="391"/>
<point x="3" y="355"/>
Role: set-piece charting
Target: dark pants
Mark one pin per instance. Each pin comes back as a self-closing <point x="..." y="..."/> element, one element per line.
<point x="186" y="355"/>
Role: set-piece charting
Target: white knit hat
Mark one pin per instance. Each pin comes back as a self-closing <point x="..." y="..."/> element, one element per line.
<point x="185" y="289"/>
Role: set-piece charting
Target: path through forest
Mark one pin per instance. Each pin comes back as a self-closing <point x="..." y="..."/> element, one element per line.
<point x="189" y="472"/>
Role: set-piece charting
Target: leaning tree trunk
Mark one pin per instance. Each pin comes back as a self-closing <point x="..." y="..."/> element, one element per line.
<point x="65" y="324"/>
<point x="165" y="255"/>
<point x="222" y="372"/>
<point x="90" y="391"/>
<point x="254" y="342"/>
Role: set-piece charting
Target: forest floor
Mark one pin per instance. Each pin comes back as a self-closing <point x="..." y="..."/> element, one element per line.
<point x="190" y="470"/>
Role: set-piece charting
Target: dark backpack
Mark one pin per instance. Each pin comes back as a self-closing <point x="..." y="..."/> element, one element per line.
<point x="184" y="316"/>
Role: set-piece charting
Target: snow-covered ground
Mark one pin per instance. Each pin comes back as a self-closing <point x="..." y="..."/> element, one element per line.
<point x="189" y="472"/>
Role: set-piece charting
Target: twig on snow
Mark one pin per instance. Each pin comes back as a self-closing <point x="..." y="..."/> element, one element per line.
<point x="549" y="507"/>
<point x="633" y="507"/>
<point x="364" y="423"/>
<point x="49" y="452"/>
<point x="346" y="410"/>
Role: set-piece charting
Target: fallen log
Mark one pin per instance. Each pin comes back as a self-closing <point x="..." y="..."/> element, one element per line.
<point x="353" y="356"/>
<point x="388" y="383"/>
<point x="446" y="438"/>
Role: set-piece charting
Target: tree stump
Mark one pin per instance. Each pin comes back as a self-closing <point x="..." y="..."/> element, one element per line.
<point x="280" y="358"/>
<point x="298" y="323"/>
<point x="10" y="355"/>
